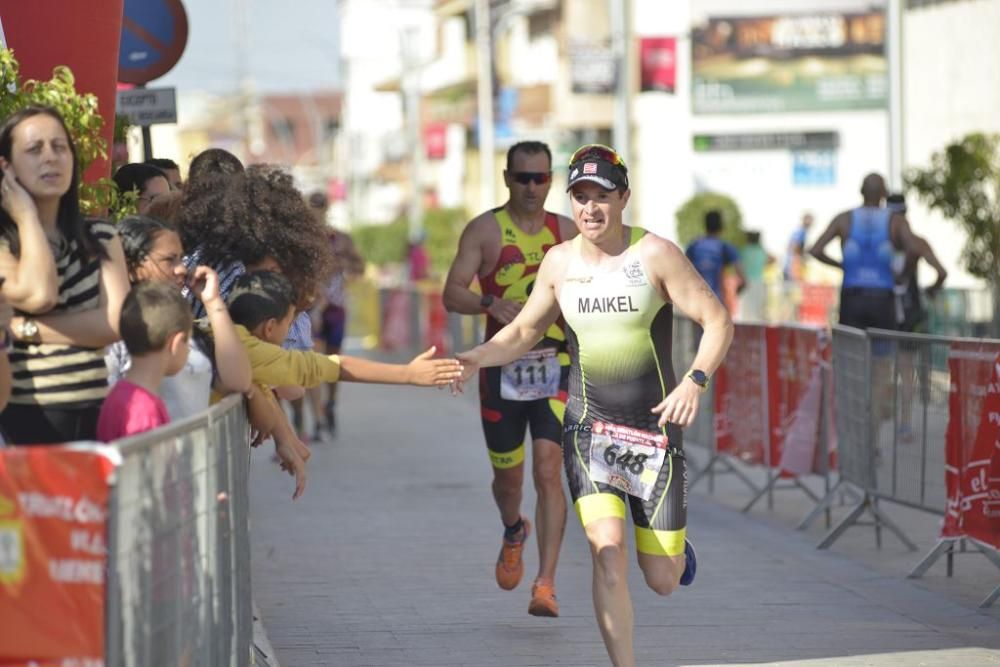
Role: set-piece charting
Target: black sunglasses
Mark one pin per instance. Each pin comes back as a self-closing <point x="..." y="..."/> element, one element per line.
<point x="536" y="177"/>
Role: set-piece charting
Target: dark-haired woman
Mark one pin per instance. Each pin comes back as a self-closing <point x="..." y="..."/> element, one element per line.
<point x="153" y="252"/>
<point x="64" y="276"/>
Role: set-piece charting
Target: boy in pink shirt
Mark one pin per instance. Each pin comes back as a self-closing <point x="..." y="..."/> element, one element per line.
<point x="155" y="325"/>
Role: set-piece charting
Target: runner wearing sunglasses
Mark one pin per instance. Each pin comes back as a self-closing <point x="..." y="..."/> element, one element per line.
<point x="616" y="287"/>
<point x="503" y="248"/>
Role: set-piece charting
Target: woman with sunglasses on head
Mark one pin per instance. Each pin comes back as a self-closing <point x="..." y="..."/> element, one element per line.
<point x="217" y="359"/>
<point x="616" y="286"/>
<point x="503" y="249"/>
<point x="65" y="278"/>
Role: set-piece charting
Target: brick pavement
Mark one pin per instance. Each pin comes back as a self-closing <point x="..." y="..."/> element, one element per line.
<point x="387" y="560"/>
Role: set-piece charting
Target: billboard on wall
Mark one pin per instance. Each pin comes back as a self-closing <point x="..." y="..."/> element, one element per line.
<point x="797" y="62"/>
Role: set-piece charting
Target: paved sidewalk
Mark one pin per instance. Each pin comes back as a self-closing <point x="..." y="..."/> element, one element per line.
<point x="388" y="560"/>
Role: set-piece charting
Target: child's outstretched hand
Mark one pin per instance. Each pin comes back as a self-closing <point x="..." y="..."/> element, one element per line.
<point x="426" y="371"/>
<point x="293" y="464"/>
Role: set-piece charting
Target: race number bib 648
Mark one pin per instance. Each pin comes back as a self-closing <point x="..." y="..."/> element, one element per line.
<point x="533" y="376"/>
<point x="626" y="458"/>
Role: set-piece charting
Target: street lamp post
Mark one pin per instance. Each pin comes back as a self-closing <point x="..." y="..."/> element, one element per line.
<point x="484" y="90"/>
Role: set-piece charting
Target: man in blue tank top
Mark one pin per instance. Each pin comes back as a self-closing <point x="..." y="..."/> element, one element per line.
<point x="870" y="235"/>
<point x="711" y="255"/>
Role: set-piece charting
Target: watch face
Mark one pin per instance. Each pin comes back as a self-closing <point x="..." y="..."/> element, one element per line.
<point x="699" y="378"/>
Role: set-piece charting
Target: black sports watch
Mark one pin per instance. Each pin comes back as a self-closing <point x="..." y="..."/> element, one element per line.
<point x="486" y="301"/>
<point x="699" y="378"/>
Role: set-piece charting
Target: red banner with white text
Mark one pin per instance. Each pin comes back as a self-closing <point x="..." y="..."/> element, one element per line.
<point x="53" y="510"/>
<point x="796" y="357"/>
<point x="769" y="397"/>
<point x="972" y="448"/>
<point x="741" y="396"/>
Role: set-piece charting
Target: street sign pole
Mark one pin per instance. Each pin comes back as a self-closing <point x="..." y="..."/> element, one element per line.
<point x="147" y="137"/>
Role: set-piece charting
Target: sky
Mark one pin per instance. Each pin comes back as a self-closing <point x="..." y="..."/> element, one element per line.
<point x="292" y="45"/>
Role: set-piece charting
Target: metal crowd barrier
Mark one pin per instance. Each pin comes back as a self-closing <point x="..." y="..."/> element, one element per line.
<point x="863" y="376"/>
<point x="891" y="395"/>
<point x="748" y="366"/>
<point x="178" y="585"/>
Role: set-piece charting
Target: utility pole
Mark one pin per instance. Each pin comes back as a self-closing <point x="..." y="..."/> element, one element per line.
<point x="484" y="89"/>
<point x="621" y="131"/>
<point x="894" y="61"/>
<point x="411" y="86"/>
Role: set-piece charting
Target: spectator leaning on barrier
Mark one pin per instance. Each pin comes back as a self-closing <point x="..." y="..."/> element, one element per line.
<point x="65" y="277"/>
<point x="156" y="327"/>
<point x="258" y="220"/>
<point x="217" y="359"/>
<point x="238" y="221"/>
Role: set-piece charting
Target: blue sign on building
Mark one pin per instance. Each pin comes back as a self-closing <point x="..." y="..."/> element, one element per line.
<point x="814" y="167"/>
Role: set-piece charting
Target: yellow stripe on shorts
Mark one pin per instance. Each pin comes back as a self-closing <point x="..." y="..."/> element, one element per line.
<point x="594" y="506"/>
<point x="508" y="459"/>
<point x="660" y="542"/>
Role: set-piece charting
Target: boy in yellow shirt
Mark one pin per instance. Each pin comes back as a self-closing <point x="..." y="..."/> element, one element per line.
<point x="262" y="306"/>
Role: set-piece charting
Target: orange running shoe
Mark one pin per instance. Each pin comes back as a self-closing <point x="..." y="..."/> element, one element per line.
<point x="510" y="567"/>
<point x="543" y="599"/>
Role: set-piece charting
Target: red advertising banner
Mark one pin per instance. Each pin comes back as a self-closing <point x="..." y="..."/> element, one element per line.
<point x="795" y="358"/>
<point x="972" y="444"/>
<point x="436" y="140"/>
<point x="396" y="319"/>
<point x="53" y="509"/>
<point x="658" y="64"/>
<point x="437" y="325"/>
<point x="81" y="35"/>
<point x="741" y="396"/>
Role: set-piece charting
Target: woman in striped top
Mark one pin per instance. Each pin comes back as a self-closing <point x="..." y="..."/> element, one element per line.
<point x="65" y="277"/>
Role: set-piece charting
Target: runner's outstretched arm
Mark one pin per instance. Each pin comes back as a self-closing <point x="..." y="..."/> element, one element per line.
<point x="538" y="314"/>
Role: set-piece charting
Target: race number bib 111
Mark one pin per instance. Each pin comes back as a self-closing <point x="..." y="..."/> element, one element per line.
<point x="626" y="458"/>
<point x="533" y="376"/>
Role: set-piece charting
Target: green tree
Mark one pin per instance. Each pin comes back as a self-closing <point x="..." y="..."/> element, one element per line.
<point x="389" y="244"/>
<point x="962" y="182"/>
<point x="691" y="218"/>
<point x="82" y="119"/>
<point x="381" y="244"/>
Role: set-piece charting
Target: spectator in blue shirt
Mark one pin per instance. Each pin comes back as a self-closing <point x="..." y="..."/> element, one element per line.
<point x="711" y="255"/>
<point x="795" y="256"/>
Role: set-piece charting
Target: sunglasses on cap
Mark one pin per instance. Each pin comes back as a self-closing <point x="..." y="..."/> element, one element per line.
<point x="536" y="177"/>
<point x="598" y="152"/>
